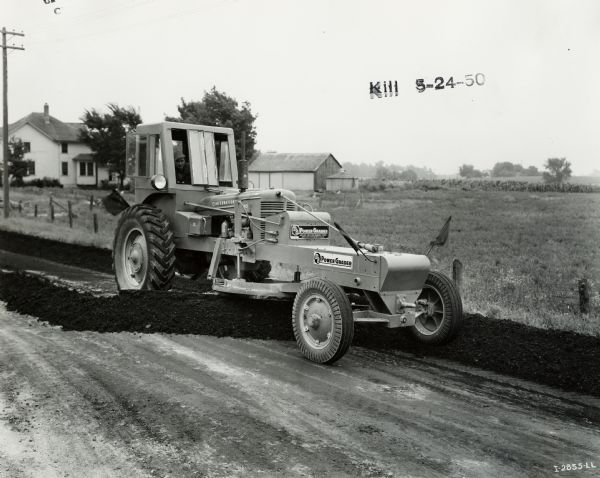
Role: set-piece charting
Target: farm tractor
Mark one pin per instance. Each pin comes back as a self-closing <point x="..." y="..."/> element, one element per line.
<point x="194" y="213"/>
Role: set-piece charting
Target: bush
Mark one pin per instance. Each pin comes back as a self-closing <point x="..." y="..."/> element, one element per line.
<point x="372" y="185"/>
<point x="45" y="182"/>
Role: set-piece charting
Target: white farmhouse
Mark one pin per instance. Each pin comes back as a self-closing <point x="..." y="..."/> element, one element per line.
<point x="56" y="151"/>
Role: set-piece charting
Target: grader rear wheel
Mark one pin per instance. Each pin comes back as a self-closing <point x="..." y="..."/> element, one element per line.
<point x="144" y="250"/>
<point x="439" y="311"/>
<point x="322" y="321"/>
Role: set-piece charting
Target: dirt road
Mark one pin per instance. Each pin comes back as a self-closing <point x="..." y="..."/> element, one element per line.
<point x="122" y="404"/>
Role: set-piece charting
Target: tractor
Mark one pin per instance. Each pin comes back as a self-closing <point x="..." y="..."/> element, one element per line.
<point x="194" y="214"/>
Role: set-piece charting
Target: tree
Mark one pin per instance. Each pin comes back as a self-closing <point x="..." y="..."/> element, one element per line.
<point x="505" y="169"/>
<point x="105" y="134"/>
<point x="17" y="166"/>
<point x="559" y="170"/>
<point x="469" y="171"/>
<point x="219" y="109"/>
<point x="408" y="175"/>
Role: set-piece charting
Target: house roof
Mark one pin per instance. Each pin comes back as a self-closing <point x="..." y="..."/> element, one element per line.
<point x="279" y="162"/>
<point x="55" y="129"/>
<point x="341" y="175"/>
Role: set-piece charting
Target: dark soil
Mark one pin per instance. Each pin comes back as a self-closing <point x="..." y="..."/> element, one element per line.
<point x="563" y="359"/>
<point x="72" y="254"/>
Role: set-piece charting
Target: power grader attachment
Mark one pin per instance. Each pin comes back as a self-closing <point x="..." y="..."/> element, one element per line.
<point x="189" y="216"/>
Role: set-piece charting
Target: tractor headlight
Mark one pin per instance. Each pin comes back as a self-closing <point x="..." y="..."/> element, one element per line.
<point x="158" y="182"/>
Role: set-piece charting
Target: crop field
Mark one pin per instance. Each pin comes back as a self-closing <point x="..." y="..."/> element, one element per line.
<point x="523" y="253"/>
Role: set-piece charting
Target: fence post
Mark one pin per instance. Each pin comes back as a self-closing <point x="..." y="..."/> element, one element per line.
<point x="51" y="210"/>
<point x="95" y="223"/>
<point x="20" y="206"/>
<point x="457" y="273"/>
<point x="91" y="202"/>
<point x="359" y="204"/>
<point x="70" y="214"/>
<point x="35" y="210"/>
<point x="584" y="296"/>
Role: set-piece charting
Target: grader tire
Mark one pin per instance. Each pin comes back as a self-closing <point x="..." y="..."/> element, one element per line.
<point x="144" y="250"/>
<point x="322" y="321"/>
<point x="439" y="321"/>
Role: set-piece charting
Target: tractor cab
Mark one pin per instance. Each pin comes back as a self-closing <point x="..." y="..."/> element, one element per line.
<point x="169" y="156"/>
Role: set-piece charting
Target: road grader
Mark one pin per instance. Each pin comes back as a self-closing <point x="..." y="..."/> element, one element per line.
<point x="209" y="221"/>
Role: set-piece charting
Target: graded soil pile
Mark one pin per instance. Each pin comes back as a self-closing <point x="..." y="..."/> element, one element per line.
<point x="562" y="359"/>
<point x="72" y="254"/>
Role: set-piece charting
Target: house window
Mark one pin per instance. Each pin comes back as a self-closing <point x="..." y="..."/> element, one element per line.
<point x="86" y="168"/>
<point x="65" y="168"/>
<point x="30" y="167"/>
<point x="64" y="147"/>
<point x="26" y="147"/>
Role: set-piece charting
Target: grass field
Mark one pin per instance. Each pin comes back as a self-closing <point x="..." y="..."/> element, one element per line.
<point x="523" y="253"/>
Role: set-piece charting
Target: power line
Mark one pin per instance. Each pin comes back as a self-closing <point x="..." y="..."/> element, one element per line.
<point x="5" y="49"/>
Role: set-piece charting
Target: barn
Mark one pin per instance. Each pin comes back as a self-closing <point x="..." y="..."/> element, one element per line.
<point x="341" y="181"/>
<point x="295" y="171"/>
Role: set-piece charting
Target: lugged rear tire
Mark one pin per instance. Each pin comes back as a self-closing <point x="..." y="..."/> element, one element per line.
<point x="322" y="320"/>
<point x="144" y="250"/>
<point x="440" y="320"/>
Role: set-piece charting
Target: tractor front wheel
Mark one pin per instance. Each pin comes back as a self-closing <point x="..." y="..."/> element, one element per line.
<point x="322" y="321"/>
<point x="144" y="250"/>
<point x="439" y="312"/>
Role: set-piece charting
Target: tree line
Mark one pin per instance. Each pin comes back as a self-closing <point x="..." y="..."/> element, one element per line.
<point x="558" y="170"/>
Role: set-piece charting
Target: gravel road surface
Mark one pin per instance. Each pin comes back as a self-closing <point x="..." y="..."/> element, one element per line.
<point x="123" y="404"/>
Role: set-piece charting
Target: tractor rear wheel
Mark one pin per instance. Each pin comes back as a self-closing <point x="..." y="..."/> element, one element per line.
<point x="322" y="321"/>
<point x="439" y="312"/>
<point x="144" y="250"/>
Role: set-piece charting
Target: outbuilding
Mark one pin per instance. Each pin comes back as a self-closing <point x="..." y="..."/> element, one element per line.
<point x="341" y="181"/>
<point x="295" y="171"/>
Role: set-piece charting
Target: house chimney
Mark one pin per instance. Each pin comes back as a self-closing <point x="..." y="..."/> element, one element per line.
<point x="46" y="113"/>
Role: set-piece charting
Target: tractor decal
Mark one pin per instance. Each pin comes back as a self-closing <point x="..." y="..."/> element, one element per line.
<point x="333" y="260"/>
<point x="309" y="232"/>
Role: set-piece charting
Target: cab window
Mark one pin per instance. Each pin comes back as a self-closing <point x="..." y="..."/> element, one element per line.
<point x="223" y="162"/>
<point x="156" y="155"/>
<point x="142" y="155"/>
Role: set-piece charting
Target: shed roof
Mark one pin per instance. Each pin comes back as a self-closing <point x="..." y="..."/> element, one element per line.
<point x="290" y="162"/>
<point x="55" y="129"/>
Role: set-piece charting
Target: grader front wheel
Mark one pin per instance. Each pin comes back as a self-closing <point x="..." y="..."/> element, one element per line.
<point x="143" y="250"/>
<point x="322" y="321"/>
<point x="439" y="312"/>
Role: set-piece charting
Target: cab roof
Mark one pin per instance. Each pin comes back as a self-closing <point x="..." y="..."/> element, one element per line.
<point x="156" y="128"/>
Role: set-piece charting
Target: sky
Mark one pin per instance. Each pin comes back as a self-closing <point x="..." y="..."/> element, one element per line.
<point x="306" y="67"/>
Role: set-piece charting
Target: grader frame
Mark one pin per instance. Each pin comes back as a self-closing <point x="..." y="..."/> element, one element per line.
<point x="235" y="236"/>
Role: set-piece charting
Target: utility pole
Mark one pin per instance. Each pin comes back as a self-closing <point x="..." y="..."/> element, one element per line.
<point x="6" y="47"/>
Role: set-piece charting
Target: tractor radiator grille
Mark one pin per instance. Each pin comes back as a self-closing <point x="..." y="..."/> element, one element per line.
<point x="268" y="208"/>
